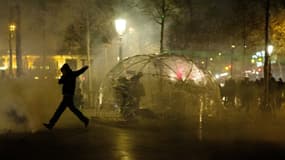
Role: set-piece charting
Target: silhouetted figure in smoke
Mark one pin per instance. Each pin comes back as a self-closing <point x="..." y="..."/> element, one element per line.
<point x="68" y="79"/>
<point x="128" y="92"/>
<point x="230" y="91"/>
<point x="279" y="93"/>
<point x="246" y="94"/>
<point x="121" y="91"/>
<point x="136" y="90"/>
<point x="78" y="97"/>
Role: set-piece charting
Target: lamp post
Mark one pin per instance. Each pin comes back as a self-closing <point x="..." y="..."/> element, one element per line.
<point x="269" y="51"/>
<point x="233" y="47"/>
<point x="12" y="28"/>
<point x="266" y="106"/>
<point x="120" y="25"/>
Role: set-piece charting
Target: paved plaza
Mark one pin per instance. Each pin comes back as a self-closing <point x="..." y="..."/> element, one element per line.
<point x="120" y="142"/>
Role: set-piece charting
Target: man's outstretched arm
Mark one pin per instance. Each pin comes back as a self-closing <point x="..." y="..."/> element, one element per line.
<point x="80" y="71"/>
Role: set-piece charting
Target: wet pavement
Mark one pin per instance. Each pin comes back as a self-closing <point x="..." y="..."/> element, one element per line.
<point x="117" y="142"/>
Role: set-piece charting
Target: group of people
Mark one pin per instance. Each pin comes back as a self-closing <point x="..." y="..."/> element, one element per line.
<point x="246" y="95"/>
<point x="235" y="94"/>
<point x="128" y="92"/>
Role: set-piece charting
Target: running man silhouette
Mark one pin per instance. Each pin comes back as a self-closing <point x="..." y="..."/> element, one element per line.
<point x="68" y="79"/>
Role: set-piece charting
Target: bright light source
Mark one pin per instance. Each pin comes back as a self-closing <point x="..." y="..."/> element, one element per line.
<point x="217" y="76"/>
<point x="219" y="53"/>
<point x="263" y="53"/>
<point x="259" y="64"/>
<point x="233" y="46"/>
<point x="258" y="54"/>
<point x="224" y="74"/>
<point x="120" y="25"/>
<point x="269" y="49"/>
<point x="3" y="68"/>
<point x="131" y="30"/>
<point x="12" y="27"/>
<point x="211" y="59"/>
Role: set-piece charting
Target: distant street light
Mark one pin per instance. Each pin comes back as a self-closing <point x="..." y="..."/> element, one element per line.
<point x="120" y="25"/>
<point x="12" y="28"/>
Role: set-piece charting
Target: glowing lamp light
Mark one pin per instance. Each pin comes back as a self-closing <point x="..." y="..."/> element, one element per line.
<point x="263" y="53"/>
<point x="259" y="64"/>
<point x="258" y="54"/>
<point x="269" y="49"/>
<point x="3" y="68"/>
<point x="120" y="25"/>
<point x="131" y="30"/>
<point x="217" y="76"/>
<point x="228" y="67"/>
<point x="12" y="27"/>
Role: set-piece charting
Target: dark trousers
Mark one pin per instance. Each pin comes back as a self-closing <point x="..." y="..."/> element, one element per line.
<point x="67" y="101"/>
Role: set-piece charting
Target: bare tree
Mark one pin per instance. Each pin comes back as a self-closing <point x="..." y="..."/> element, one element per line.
<point x="160" y="11"/>
<point x="91" y="16"/>
<point x="91" y="22"/>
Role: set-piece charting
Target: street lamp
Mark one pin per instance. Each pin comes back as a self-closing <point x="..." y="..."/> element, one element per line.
<point x="120" y="25"/>
<point x="12" y="28"/>
<point x="269" y="51"/>
<point x="233" y="47"/>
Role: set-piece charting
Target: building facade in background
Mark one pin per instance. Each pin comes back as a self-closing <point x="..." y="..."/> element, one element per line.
<point x="39" y="67"/>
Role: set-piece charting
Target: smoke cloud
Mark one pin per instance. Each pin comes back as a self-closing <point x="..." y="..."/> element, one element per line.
<point x="25" y="104"/>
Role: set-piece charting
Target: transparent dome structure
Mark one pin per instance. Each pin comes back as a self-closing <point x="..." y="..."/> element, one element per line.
<point x="157" y="87"/>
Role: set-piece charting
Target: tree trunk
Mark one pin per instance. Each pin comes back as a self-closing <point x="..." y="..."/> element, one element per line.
<point x="18" y="41"/>
<point x="161" y="35"/>
<point x="162" y="26"/>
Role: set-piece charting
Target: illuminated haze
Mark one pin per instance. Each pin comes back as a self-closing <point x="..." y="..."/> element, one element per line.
<point x="25" y="104"/>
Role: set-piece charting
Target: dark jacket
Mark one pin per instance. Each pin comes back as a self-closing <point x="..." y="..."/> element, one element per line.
<point x="68" y="79"/>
